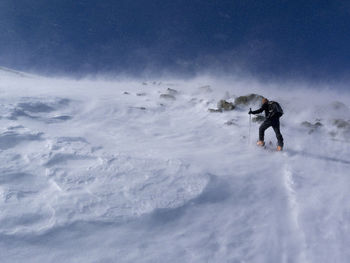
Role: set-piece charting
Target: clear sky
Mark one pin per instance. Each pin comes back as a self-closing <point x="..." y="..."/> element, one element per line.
<point x="281" y="38"/>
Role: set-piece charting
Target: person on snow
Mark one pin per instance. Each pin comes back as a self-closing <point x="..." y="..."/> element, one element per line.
<point x="273" y="112"/>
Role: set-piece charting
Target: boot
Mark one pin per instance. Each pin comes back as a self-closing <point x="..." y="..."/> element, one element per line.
<point x="260" y="143"/>
<point x="279" y="148"/>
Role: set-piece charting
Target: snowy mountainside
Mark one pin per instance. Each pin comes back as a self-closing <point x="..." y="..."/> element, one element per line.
<point x="123" y="171"/>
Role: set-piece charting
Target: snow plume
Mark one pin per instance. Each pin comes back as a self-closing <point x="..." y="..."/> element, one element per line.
<point x="142" y="171"/>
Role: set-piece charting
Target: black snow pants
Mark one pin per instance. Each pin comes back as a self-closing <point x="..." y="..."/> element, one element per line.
<point x="275" y="123"/>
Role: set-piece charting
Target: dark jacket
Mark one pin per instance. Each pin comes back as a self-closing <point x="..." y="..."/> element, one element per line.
<point x="267" y="108"/>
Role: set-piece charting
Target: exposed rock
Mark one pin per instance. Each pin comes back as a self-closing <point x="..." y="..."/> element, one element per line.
<point x="306" y="124"/>
<point x="215" y="110"/>
<point x="318" y="124"/>
<point x="258" y="119"/>
<point x="126" y="93"/>
<point x="231" y="123"/>
<point x="138" y="108"/>
<point x="342" y="124"/>
<point x="225" y="105"/>
<point x="342" y="127"/>
<point x="248" y="99"/>
<point x="141" y="94"/>
<point x="312" y="127"/>
<point x="172" y="91"/>
<point x="167" y="96"/>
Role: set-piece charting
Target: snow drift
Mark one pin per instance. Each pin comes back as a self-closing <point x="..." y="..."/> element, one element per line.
<point x="124" y="171"/>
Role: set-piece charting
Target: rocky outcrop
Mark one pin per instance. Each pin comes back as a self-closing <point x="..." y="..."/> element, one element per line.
<point x="340" y="127"/>
<point x="248" y="99"/>
<point x="341" y="124"/>
<point x="215" y="110"/>
<point x="172" y="91"/>
<point x="231" y="123"/>
<point x="170" y="94"/>
<point x="225" y="105"/>
<point x="311" y="127"/>
<point x="167" y="96"/>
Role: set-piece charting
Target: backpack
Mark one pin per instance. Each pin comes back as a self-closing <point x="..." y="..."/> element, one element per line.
<point x="275" y="109"/>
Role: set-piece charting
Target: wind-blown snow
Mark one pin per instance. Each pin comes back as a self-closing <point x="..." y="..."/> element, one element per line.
<point x="110" y="171"/>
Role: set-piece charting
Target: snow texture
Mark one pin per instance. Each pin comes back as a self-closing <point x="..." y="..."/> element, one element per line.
<point x="125" y="171"/>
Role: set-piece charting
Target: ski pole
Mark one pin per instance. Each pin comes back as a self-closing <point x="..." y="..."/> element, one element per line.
<point x="250" y="124"/>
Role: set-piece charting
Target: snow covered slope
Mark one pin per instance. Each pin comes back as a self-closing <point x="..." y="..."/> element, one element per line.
<point x="123" y="171"/>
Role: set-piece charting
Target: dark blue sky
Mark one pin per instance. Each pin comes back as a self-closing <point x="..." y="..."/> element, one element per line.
<point x="294" y="38"/>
